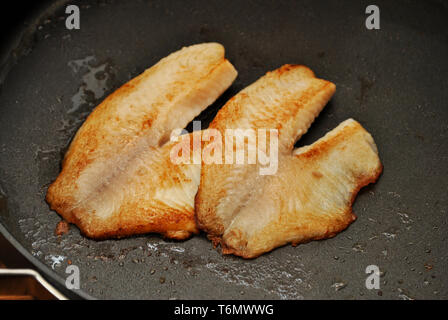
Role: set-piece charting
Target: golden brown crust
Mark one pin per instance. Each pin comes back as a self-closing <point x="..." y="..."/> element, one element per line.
<point x="117" y="177"/>
<point x="346" y="149"/>
<point x="272" y="102"/>
<point x="337" y="226"/>
<point x="306" y="199"/>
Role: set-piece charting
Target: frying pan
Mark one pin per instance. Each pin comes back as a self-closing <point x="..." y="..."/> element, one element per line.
<point x="393" y="80"/>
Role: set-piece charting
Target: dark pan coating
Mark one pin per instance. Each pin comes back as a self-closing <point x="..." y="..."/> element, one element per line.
<point x="393" y="81"/>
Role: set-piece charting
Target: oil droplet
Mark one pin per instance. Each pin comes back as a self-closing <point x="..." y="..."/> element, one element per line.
<point x="338" y="286"/>
<point x="404" y="296"/>
<point x="358" y="247"/>
<point x="390" y="234"/>
<point x="95" y="81"/>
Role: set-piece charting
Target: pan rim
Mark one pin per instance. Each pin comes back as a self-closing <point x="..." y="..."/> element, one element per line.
<point x="15" y="39"/>
<point x="44" y="270"/>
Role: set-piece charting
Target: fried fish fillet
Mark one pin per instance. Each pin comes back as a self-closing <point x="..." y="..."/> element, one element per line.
<point x="311" y="194"/>
<point x="287" y="99"/>
<point x="117" y="178"/>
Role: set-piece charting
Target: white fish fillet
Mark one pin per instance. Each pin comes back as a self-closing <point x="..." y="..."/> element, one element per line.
<point x="311" y="194"/>
<point x="117" y="178"/>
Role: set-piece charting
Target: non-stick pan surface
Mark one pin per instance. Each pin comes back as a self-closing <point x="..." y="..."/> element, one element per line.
<point x="393" y="80"/>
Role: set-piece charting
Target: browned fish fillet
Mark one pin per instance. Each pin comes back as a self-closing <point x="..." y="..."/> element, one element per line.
<point x="117" y="178"/>
<point x="287" y="99"/>
<point x="310" y="195"/>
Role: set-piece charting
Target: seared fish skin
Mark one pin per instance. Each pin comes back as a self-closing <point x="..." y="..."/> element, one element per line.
<point x="311" y="194"/>
<point x="117" y="178"/>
